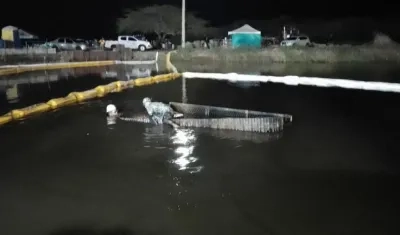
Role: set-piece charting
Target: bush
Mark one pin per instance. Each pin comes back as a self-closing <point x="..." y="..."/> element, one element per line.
<point x="318" y="54"/>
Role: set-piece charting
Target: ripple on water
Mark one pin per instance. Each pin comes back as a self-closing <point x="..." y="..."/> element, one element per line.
<point x="241" y="136"/>
<point x="181" y="141"/>
<point x="157" y="136"/>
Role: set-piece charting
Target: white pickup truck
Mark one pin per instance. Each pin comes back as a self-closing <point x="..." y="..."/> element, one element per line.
<point x="128" y="42"/>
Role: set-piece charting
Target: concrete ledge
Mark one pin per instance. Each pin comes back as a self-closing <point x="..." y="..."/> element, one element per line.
<point x="15" y="69"/>
<point x="27" y="51"/>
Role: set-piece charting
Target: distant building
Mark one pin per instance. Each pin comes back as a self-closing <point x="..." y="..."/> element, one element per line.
<point x="15" y="36"/>
<point x="246" y="36"/>
<point x="6" y="33"/>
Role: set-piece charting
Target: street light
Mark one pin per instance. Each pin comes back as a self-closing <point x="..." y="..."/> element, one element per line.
<point x="183" y="23"/>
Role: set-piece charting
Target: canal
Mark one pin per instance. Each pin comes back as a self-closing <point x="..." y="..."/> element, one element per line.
<point x="335" y="170"/>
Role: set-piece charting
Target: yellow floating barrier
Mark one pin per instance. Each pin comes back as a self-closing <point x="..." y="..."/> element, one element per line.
<point x="8" y="71"/>
<point x="142" y="81"/>
<point x="120" y="85"/>
<point x="5" y="119"/>
<point x="115" y="87"/>
<point x="101" y="91"/>
<point x="17" y="114"/>
<point x="170" y="67"/>
<point x="60" y="102"/>
<point x="51" y="66"/>
<point x="35" y="109"/>
<point x="78" y="97"/>
<point x="84" y="95"/>
<point x="110" y="88"/>
<point x="153" y="80"/>
<point x="106" y="89"/>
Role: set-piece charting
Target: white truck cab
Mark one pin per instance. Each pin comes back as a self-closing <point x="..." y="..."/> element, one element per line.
<point x="129" y="42"/>
<point x="301" y="40"/>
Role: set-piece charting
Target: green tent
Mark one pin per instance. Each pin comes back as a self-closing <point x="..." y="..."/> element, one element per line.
<point x="245" y="36"/>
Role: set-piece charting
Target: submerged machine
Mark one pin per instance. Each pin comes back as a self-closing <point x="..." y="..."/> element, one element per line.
<point x="205" y="116"/>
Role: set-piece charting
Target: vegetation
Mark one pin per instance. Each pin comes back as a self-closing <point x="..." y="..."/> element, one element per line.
<point x="330" y="54"/>
<point x="162" y="20"/>
<point x="382" y="49"/>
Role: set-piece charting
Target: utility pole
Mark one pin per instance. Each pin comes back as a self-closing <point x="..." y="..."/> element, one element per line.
<point x="183" y="23"/>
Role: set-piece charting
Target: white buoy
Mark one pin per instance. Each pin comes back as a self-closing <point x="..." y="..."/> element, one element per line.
<point x="111" y="110"/>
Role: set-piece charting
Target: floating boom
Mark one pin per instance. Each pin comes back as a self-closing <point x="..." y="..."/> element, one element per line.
<point x="296" y="80"/>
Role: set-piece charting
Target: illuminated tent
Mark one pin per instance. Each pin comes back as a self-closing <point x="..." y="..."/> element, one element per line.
<point x="246" y="36"/>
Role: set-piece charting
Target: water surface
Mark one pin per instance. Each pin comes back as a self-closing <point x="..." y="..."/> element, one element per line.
<point x="21" y="90"/>
<point x="333" y="171"/>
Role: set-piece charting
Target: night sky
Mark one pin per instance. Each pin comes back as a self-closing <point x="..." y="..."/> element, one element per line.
<point x="89" y="18"/>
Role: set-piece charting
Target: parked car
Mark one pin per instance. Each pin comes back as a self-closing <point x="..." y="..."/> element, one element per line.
<point x="67" y="44"/>
<point x="268" y="41"/>
<point x="296" y="41"/>
<point x="91" y="44"/>
<point x="129" y="42"/>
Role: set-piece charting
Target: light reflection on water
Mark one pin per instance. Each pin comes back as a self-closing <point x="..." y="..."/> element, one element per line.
<point x="111" y="121"/>
<point x="325" y="167"/>
<point x="184" y="140"/>
<point x="181" y="141"/>
<point x="157" y="136"/>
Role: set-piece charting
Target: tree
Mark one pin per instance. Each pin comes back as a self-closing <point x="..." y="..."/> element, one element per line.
<point x="161" y="19"/>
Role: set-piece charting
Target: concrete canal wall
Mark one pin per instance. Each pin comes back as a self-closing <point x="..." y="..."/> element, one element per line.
<point x="27" y="51"/>
<point x="129" y="58"/>
<point x="78" y="56"/>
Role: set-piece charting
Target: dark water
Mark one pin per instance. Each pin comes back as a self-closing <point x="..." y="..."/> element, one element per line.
<point x="335" y="170"/>
<point x="18" y="91"/>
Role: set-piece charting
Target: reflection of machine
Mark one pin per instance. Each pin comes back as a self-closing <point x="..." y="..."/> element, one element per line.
<point x="109" y="74"/>
<point x="30" y="79"/>
<point x="124" y="74"/>
<point x="12" y="94"/>
<point x="141" y="72"/>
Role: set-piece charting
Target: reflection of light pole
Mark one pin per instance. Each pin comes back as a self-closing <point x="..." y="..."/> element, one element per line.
<point x="183" y="23"/>
<point x="184" y="97"/>
<point x="184" y="91"/>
